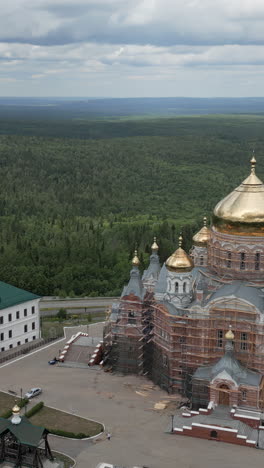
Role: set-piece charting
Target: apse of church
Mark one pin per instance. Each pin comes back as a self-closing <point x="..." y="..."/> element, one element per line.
<point x="173" y="319"/>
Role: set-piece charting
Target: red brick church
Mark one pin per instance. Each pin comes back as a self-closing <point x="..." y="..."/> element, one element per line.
<point x="172" y="322"/>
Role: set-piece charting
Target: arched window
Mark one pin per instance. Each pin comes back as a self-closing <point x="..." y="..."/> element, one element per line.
<point x="257" y="261"/>
<point x="184" y="287"/>
<point x="243" y="341"/>
<point x="244" y="395"/>
<point x="176" y="287"/>
<point x="242" y="261"/>
<point x="229" y="257"/>
<point x="213" y="434"/>
<point x="165" y="360"/>
<point x="201" y="260"/>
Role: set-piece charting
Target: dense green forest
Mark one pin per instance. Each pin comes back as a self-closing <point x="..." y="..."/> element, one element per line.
<point x="73" y="207"/>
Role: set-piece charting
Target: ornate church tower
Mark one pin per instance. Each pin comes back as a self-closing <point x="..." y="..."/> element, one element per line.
<point x="179" y="277"/>
<point x="200" y="241"/>
<point x="150" y="276"/>
<point x="236" y="247"/>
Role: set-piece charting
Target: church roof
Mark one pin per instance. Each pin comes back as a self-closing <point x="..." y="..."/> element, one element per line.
<point x="244" y="206"/>
<point x="161" y="285"/>
<point x="25" y="432"/>
<point x="233" y="368"/>
<point x="135" y="285"/>
<point x="153" y="268"/>
<point x="228" y="365"/>
<point x="238" y="290"/>
<point x="11" y="295"/>
<point x="179" y="261"/>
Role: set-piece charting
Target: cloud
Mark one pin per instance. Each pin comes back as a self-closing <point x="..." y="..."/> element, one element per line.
<point x="156" y="22"/>
<point x="135" y="41"/>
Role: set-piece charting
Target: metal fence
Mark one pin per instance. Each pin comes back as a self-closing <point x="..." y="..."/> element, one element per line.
<point x="26" y="348"/>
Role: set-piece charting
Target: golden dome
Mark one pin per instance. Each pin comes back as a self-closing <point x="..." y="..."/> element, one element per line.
<point x="179" y="261"/>
<point x="16" y="409"/>
<point x="155" y="245"/>
<point x="242" y="211"/>
<point x="135" y="259"/>
<point x="229" y="335"/>
<point x="201" y="237"/>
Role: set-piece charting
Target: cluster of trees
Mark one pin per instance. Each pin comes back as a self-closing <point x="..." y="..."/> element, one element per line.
<point x="72" y="210"/>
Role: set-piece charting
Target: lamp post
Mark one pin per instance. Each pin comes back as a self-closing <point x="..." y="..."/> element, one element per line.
<point x="257" y="444"/>
<point x="260" y="424"/>
<point x="172" y="419"/>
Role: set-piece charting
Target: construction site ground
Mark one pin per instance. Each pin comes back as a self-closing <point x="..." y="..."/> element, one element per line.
<point x="134" y="411"/>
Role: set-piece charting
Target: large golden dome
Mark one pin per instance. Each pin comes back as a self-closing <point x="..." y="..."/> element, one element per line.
<point x="242" y="211"/>
<point x="179" y="261"/>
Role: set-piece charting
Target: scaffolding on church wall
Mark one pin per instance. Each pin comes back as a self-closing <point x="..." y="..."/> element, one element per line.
<point x="148" y="340"/>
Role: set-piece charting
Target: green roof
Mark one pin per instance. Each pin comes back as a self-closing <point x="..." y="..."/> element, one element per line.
<point x="10" y="295"/>
<point x="25" y="432"/>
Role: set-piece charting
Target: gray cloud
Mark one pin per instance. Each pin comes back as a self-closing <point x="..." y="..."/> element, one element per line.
<point x="117" y="46"/>
<point x="157" y="22"/>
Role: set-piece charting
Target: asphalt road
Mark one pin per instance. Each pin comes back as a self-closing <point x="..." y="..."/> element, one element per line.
<point x="83" y="305"/>
<point x="125" y="404"/>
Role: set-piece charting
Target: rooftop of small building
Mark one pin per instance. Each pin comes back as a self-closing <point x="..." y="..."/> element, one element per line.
<point x="25" y="432"/>
<point x="11" y="295"/>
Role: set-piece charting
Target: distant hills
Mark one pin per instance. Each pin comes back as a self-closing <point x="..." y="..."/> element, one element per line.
<point x="86" y="108"/>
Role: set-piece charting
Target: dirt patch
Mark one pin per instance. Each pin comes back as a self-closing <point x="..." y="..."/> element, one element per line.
<point x="58" y="420"/>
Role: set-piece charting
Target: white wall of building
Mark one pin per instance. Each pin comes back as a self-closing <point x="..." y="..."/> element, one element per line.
<point x="21" y="322"/>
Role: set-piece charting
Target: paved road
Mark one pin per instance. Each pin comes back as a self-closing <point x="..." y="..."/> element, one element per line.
<point x="137" y="429"/>
<point x="83" y="305"/>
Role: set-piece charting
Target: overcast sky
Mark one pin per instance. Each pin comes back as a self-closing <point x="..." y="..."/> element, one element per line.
<point x="129" y="48"/>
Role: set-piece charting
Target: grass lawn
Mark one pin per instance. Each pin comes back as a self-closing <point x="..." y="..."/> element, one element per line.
<point x="7" y="402"/>
<point x="51" y="329"/>
<point x="55" y="419"/>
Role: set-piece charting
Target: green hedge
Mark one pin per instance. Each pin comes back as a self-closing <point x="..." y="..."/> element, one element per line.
<point x="72" y="435"/>
<point x="21" y="403"/>
<point x="35" y="409"/>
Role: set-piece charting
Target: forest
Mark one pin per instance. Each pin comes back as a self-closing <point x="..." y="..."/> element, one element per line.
<point x="77" y="196"/>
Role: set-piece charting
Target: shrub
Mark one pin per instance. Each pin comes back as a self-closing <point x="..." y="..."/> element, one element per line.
<point x="62" y="314"/>
<point x="35" y="409"/>
<point x="72" y="435"/>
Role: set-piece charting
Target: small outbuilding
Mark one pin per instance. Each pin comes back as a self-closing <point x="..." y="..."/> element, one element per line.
<point x="20" y="442"/>
<point x="227" y="382"/>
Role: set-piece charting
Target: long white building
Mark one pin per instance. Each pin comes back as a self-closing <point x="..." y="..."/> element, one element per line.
<point x="19" y="317"/>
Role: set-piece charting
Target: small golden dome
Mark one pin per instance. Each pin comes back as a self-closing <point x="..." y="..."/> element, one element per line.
<point x="242" y="211"/>
<point x="179" y="261"/>
<point x="155" y="245"/>
<point x="135" y="259"/>
<point x="16" y="409"/>
<point x="201" y="237"/>
<point x="229" y="335"/>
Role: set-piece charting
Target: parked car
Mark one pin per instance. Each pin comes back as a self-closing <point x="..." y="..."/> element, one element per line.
<point x="108" y="465"/>
<point x="33" y="392"/>
<point x="53" y="361"/>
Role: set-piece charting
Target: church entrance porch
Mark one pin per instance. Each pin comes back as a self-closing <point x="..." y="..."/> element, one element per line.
<point x="223" y="398"/>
